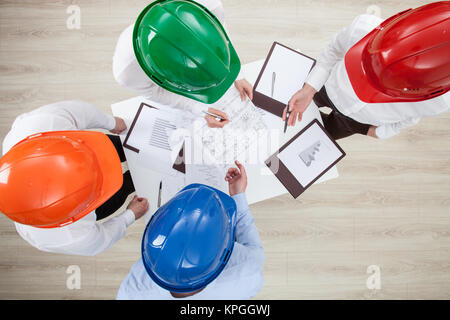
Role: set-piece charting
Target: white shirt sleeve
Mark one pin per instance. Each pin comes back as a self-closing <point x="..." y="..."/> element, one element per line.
<point x="338" y="47"/>
<point x="103" y="235"/>
<point x="84" y="237"/>
<point x="64" y="115"/>
<point x="81" y="114"/>
<point x="386" y="131"/>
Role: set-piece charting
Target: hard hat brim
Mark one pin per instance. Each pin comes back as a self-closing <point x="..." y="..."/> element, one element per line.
<point x="359" y="79"/>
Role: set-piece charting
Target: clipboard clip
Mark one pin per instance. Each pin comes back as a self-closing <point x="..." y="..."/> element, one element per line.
<point x="288" y="113"/>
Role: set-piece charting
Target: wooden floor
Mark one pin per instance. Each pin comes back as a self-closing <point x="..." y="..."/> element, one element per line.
<point x="390" y="207"/>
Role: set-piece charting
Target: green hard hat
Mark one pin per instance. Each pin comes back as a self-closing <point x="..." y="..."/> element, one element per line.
<point x="183" y="48"/>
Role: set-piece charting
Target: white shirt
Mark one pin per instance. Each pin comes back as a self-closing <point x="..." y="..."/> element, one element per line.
<point x="129" y="74"/>
<point x="85" y="236"/>
<point x="390" y="118"/>
<point x="241" y="278"/>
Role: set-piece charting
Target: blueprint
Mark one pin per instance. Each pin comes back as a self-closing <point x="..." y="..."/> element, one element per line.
<point x="236" y="139"/>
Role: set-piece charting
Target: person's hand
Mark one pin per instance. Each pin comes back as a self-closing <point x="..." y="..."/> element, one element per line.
<point x="120" y="126"/>
<point x="245" y="88"/>
<point x="372" y="133"/>
<point x="214" y="122"/>
<point x="298" y="104"/>
<point x="139" y="206"/>
<point x="237" y="179"/>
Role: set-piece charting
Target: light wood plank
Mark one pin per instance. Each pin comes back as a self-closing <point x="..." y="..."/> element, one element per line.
<point x="390" y="206"/>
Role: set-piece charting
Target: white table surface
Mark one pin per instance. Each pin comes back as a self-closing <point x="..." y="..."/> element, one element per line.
<point x="262" y="184"/>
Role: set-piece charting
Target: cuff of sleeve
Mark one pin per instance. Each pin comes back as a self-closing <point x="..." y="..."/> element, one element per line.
<point x="317" y="77"/>
<point x="129" y="217"/>
<point x="384" y="132"/>
<point x="111" y="124"/>
<point x="198" y="109"/>
<point x="241" y="202"/>
<point x="241" y="75"/>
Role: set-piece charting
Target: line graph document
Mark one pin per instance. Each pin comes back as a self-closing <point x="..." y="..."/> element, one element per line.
<point x="151" y="135"/>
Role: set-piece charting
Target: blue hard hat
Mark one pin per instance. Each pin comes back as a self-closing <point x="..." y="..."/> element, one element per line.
<point x="189" y="240"/>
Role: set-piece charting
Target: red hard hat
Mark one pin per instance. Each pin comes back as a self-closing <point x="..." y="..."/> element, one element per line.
<point x="405" y="59"/>
<point x="52" y="179"/>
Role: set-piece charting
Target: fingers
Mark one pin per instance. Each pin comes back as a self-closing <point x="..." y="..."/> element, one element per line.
<point x="223" y="123"/>
<point x="249" y="90"/>
<point x="242" y="92"/>
<point x="232" y="173"/>
<point x="213" y="123"/>
<point x="140" y="200"/>
<point x="120" y="126"/>
<point x="218" y="112"/>
<point x="284" y="114"/>
<point x="238" y="85"/>
<point x="292" y="118"/>
<point x="245" y="89"/>
<point x="241" y="168"/>
<point x="145" y="204"/>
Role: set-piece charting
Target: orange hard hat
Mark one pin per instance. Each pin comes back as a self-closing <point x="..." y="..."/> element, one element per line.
<point x="55" y="178"/>
<point x="405" y="59"/>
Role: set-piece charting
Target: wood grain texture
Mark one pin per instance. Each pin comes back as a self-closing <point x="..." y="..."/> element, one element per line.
<point x="390" y="206"/>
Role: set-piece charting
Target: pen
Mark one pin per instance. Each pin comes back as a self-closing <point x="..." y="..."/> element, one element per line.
<point x="159" y="194"/>
<point x="215" y="116"/>
<point x="274" y="76"/>
<point x="288" y="113"/>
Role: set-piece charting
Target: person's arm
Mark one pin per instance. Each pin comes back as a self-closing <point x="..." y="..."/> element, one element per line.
<point x="63" y="115"/>
<point x="248" y="253"/>
<point x="102" y="236"/>
<point x="246" y="231"/>
<point x="82" y="115"/>
<point x="247" y="236"/>
<point x="329" y="57"/>
<point x="338" y="47"/>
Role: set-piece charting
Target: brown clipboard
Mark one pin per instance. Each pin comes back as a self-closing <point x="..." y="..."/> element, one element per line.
<point x="136" y="117"/>
<point x="267" y="103"/>
<point x="180" y="161"/>
<point x="283" y="174"/>
<point x="179" y="164"/>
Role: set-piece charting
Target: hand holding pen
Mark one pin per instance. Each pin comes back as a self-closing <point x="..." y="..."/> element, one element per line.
<point x="298" y="104"/>
<point x="216" y="118"/>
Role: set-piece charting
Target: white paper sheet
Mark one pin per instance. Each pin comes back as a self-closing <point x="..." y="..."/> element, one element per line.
<point x="171" y="185"/>
<point x="152" y="135"/>
<point x="206" y="172"/>
<point x="238" y="139"/>
<point x="309" y="155"/>
<point x="284" y="75"/>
